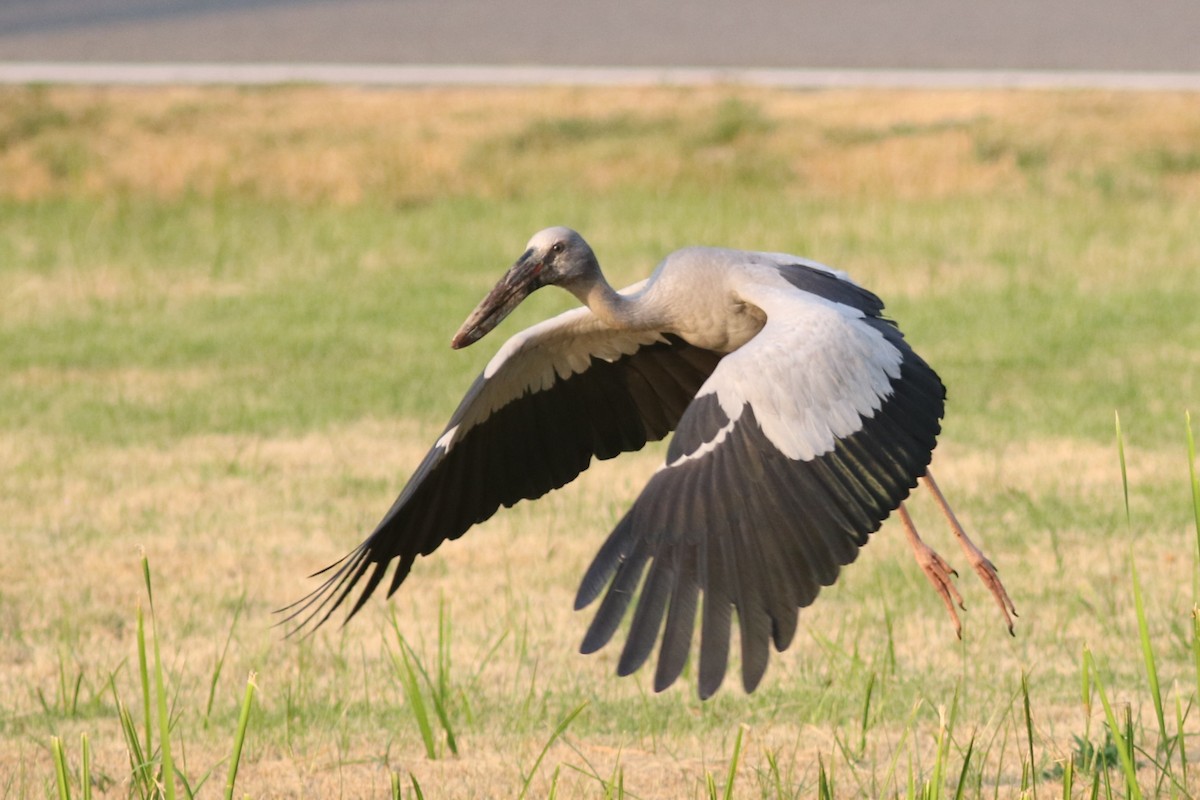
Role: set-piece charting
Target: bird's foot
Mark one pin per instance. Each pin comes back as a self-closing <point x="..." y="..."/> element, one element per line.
<point x="984" y="568"/>
<point x="936" y="569"/>
<point x="986" y="571"/>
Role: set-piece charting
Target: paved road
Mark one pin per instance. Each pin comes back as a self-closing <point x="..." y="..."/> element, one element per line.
<point x="1138" y="35"/>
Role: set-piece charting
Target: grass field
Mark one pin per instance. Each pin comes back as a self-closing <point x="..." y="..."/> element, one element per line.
<point x="224" y="343"/>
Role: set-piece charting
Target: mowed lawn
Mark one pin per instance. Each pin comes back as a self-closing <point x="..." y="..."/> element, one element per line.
<point x="224" y="327"/>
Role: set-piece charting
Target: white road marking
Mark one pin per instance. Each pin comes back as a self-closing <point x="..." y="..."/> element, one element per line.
<point x="154" y="74"/>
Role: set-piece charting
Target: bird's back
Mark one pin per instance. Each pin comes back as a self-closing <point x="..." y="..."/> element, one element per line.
<point x="701" y="291"/>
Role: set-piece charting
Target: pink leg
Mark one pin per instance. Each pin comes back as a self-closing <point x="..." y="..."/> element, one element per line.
<point x="983" y="566"/>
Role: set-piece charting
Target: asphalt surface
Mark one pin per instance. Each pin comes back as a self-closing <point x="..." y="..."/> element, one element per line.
<point x="1101" y="35"/>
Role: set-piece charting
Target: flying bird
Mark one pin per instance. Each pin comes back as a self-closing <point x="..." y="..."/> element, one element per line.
<point x="802" y="419"/>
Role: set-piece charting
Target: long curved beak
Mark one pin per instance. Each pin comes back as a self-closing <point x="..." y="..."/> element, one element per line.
<point x="521" y="280"/>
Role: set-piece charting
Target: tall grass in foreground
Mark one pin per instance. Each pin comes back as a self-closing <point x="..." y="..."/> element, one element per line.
<point x="1130" y="744"/>
<point x="407" y="665"/>
<point x="152" y="767"/>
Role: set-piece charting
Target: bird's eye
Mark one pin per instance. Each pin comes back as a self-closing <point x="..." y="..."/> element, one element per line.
<point x="558" y="247"/>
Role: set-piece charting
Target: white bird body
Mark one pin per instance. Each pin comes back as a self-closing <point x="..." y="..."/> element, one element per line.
<point x="802" y="420"/>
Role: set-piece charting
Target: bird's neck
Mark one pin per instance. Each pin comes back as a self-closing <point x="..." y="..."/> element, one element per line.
<point x="612" y="307"/>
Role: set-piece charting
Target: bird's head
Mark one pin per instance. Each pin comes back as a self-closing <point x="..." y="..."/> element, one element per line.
<point x="554" y="256"/>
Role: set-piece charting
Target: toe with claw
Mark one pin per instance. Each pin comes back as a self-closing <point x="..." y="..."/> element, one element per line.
<point x="936" y="569"/>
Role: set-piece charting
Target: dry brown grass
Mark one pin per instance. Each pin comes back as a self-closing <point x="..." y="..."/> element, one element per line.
<point x="341" y="145"/>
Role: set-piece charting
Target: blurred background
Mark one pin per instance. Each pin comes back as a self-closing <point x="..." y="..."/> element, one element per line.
<point x="1019" y="34"/>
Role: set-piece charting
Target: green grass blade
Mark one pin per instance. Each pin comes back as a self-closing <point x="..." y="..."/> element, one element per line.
<point x="144" y="676"/>
<point x="866" y="715"/>
<point x="1124" y="472"/>
<point x="416" y="785"/>
<point x="1068" y="778"/>
<point x="1131" y="785"/>
<point x="160" y="692"/>
<point x="443" y="670"/>
<point x="1086" y="690"/>
<point x="438" y="698"/>
<point x="139" y="767"/>
<point x="220" y="665"/>
<point x="416" y="703"/>
<point x="1123" y="749"/>
<point x="890" y="776"/>
<point x="1148" y="651"/>
<point x="240" y="737"/>
<point x="60" y="768"/>
<point x="85" y="769"/>
<point x="1029" y="730"/>
<point x="1196" y="647"/>
<point x="1195" y="484"/>
<point x="733" y="764"/>
<point x="558" y="731"/>
<point x="439" y="706"/>
<point x="164" y="719"/>
<point x="773" y="771"/>
<point x="437" y="694"/>
<point x="962" y="775"/>
<point x="937" y="783"/>
<point x="1183" y="762"/>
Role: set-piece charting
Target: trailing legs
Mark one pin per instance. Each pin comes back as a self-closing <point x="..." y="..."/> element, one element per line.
<point x="939" y="571"/>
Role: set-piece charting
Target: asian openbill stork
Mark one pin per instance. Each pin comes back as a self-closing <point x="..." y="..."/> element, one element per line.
<point x="802" y="419"/>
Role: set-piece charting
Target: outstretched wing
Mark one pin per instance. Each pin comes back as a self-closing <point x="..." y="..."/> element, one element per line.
<point x="555" y="396"/>
<point x="795" y="449"/>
